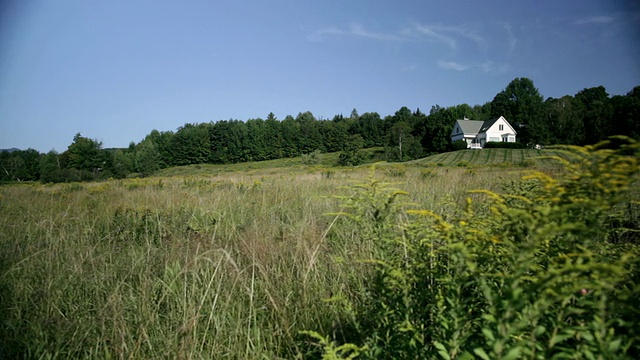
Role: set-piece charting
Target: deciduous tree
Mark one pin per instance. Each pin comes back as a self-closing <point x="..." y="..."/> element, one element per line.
<point x="522" y="105"/>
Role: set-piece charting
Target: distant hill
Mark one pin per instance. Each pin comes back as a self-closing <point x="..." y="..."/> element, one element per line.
<point x="10" y="150"/>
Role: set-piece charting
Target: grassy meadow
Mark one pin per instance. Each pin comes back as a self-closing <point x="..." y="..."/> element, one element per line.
<point x="209" y="262"/>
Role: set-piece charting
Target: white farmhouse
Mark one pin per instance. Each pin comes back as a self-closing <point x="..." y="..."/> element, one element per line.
<point x="477" y="133"/>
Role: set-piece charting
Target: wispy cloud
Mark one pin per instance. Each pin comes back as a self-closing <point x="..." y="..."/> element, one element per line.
<point x="354" y="30"/>
<point x="512" y="39"/>
<point x="487" y="67"/>
<point x="359" y="30"/>
<point x="594" y="20"/>
<point x="434" y="35"/>
<point x="450" y="35"/>
<point x="451" y="65"/>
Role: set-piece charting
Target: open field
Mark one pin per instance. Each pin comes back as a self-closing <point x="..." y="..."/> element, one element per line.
<point x="204" y="261"/>
<point x="196" y="266"/>
<point x="506" y="158"/>
<point x="491" y="157"/>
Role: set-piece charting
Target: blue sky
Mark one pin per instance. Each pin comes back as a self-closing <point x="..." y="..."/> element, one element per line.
<point x="115" y="70"/>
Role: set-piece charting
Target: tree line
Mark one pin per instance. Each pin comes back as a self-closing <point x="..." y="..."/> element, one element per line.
<point x="587" y="117"/>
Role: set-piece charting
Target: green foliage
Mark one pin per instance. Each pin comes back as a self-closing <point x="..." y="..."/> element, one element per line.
<point x="351" y="155"/>
<point x="437" y="128"/>
<point x="371" y="127"/>
<point x="596" y="112"/>
<point x="372" y="208"/>
<point x="504" y="145"/>
<point x="86" y="160"/>
<point x="123" y="163"/>
<point x="331" y="351"/>
<point x="19" y="165"/>
<point x="191" y="145"/>
<point x="312" y="158"/>
<point x="521" y="103"/>
<point x="565" y="119"/>
<point x="531" y="273"/>
<point x="50" y="168"/>
<point x="147" y="158"/>
<point x="459" y="145"/>
<point x="135" y="225"/>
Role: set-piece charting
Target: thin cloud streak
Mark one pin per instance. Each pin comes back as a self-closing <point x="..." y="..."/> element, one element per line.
<point x="487" y="67"/>
<point x="450" y="35"/>
<point x="358" y="30"/>
<point x="432" y="34"/>
<point x="451" y="65"/>
<point x="447" y="35"/>
<point x="354" y="30"/>
<point x="513" y="41"/>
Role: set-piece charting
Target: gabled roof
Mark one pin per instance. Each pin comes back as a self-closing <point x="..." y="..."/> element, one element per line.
<point x="478" y="126"/>
<point x="470" y="126"/>
<point x="487" y="124"/>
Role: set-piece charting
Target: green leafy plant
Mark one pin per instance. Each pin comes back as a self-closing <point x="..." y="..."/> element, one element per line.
<point x="530" y="273"/>
<point x="312" y="158"/>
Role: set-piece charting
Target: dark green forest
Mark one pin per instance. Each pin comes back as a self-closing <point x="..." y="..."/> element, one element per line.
<point x="589" y="116"/>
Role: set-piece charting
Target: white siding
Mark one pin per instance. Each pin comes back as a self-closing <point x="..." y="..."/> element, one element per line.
<point x="495" y="134"/>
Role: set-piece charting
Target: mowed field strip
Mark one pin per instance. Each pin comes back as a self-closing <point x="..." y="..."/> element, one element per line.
<point x="488" y="157"/>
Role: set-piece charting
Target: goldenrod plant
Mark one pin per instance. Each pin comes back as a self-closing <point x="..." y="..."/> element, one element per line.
<point x="537" y="271"/>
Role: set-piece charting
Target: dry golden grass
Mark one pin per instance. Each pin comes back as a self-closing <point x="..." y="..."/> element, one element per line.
<point x="230" y="264"/>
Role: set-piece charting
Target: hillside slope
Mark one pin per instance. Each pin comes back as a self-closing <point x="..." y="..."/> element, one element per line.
<point x="506" y="157"/>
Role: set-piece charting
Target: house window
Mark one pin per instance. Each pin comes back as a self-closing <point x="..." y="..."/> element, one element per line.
<point x="501" y="127"/>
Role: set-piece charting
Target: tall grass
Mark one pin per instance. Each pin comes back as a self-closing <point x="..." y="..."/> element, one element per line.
<point x="210" y="263"/>
<point x="231" y="265"/>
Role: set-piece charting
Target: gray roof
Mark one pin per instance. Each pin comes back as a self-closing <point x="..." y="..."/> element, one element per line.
<point x="476" y="126"/>
<point x="470" y="126"/>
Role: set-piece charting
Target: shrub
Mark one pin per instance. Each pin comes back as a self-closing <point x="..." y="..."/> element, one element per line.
<point x="504" y="145"/>
<point x="351" y="158"/>
<point x="312" y="158"/>
<point x="459" y="145"/>
<point x="530" y="273"/>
